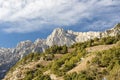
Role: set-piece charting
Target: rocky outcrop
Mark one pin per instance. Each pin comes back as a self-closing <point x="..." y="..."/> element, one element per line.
<point x="8" y="57"/>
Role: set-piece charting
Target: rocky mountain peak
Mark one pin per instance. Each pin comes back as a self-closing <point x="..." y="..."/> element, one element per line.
<point x="24" y="44"/>
<point x="59" y="37"/>
<point x="112" y="32"/>
<point x="117" y="26"/>
<point x="58" y="31"/>
<point x="39" y="41"/>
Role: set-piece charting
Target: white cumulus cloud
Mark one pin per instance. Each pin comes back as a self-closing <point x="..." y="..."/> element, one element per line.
<point x="32" y="15"/>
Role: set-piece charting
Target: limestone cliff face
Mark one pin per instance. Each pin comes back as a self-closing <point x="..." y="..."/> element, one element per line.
<point x="84" y="36"/>
<point x="58" y="37"/>
<point x="39" y="45"/>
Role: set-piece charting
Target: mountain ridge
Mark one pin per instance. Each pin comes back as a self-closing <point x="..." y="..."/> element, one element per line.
<point x="58" y="37"/>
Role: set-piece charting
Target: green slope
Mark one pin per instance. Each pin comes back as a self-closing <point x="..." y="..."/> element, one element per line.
<point x="57" y="61"/>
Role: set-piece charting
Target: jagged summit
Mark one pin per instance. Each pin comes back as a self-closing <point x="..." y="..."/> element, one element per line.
<point x="117" y="26"/>
<point x="59" y="37"/>
<point x="112" y="32"/>
<point x="58" y="30"/>
<point x="24" y="44"/>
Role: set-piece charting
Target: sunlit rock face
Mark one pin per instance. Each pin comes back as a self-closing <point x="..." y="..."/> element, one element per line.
<point x="112" y="32"/>
<point x="60" y="37"/>
<point x="39" y="45"/>
<point x="8" y="57"/>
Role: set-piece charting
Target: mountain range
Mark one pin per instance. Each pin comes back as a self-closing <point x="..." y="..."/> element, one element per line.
<point x="60" y="37"/>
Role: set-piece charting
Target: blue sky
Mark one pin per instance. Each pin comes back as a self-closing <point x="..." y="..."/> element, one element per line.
<point x="31" y="19"/>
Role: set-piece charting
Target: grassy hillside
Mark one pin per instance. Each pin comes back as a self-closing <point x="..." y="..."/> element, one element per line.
<point x="97" y="59"/>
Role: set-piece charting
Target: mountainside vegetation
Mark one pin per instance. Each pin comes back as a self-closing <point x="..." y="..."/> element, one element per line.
<point x="71" y="63"/>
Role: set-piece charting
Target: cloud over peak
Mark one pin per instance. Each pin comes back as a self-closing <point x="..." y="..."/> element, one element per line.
<point x="33" y="15"/>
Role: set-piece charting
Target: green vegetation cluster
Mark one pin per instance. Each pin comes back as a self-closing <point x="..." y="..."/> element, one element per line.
<point x="36" y="75"/>
<point x="105" y="66"/>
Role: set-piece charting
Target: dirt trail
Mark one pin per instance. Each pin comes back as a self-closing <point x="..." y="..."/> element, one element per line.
<point x="82" y="65"/>
<point x="53" y="76"/>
